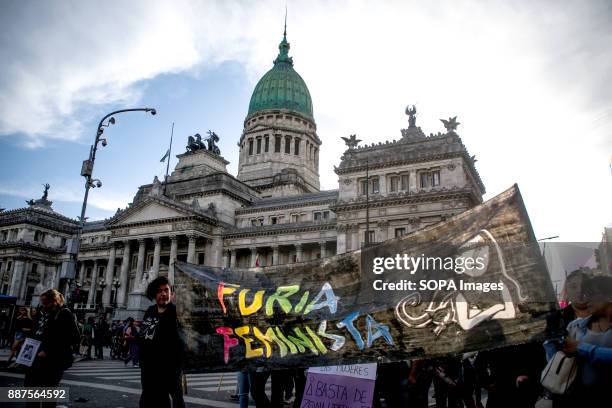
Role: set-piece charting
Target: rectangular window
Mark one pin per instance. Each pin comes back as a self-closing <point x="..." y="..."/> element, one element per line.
<point x="63" y="242"/>
<point x="405" y="182"/>
<point x="277" y="144"/>
<point x="435" y="178"/>
<point x="267" y="144"/>
<point x="399" y="232"/>
<point x="325" y="215"/>
<point x="317" y="216"/>
<point x="393" y="184"/>
<point x="296" y="151"/>
<point x="424" y="177"/>
<point x="287" y="145"/>
<point x="9" y="265"/>
<point x="295" y="217"/>
<point x="364" y="187"/>
<point x="200" y="258"/>
<point x="250" y="147"/>
<point x="375" y="187"/>
<point x="371" y="235"/>
<point x="273" y="220"/>
<point x="34" y="268"/>
<point x="259" y="145"/>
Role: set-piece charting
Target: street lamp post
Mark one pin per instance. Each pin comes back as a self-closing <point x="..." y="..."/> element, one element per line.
<point x="116" y="285"/>
<point x="87" y="172"/>
<point x="102" y="284"/>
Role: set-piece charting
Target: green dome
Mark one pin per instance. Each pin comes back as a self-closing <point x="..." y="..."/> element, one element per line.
<point x="281" y="87"/>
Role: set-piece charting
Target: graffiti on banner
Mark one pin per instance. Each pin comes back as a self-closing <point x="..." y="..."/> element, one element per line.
<point x="329" y="311"/>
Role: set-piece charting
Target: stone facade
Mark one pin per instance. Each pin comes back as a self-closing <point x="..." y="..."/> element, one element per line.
<point x="272" y="213"/>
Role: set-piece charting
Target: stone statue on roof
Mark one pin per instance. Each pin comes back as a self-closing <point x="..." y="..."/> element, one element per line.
<point x="351" y="141"/>
<point x="412" y="113"/>
<point x="46" y="192"/>
<point x="450" y="125"/>
<point x="211" y="141"/>
<point x="195" y="143"/>
<point x="43" y="201"/>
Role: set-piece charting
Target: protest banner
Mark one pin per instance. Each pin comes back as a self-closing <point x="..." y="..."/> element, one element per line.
<point x="347" y="386"/>
<point x="486" y="286"/>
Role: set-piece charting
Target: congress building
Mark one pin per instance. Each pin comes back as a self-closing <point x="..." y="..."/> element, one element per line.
<point x="272" y="212"/>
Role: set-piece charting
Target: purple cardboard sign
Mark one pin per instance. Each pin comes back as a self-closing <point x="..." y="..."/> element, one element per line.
<point x="340" y="387"/>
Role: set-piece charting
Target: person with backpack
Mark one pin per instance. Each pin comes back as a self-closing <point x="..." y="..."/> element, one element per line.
<point x="58" y="333"/>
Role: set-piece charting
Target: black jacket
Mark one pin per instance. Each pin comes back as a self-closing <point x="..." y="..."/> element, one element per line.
<point x="58" y="332"/>
<point x="161" y="344"/>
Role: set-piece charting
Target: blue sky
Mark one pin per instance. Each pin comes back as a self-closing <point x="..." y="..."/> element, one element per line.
<point x="529" y="82"/>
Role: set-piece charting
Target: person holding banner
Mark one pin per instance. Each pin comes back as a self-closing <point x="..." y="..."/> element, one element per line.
<point x="161" y="350"/>
<point x="57" y="332"/>
<point x="590" y="339"/>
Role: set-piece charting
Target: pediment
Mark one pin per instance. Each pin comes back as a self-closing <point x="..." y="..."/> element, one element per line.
<point x="149" y="212"/>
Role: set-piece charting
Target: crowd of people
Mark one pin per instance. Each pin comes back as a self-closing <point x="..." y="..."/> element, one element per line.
<point x="497" y="378"/>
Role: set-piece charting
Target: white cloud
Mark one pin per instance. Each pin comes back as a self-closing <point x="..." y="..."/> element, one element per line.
<point x="529" y="83"/>
<point x="109" y="201"/>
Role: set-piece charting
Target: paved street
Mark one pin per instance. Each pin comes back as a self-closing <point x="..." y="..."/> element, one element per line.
<point x="108" y="383"/>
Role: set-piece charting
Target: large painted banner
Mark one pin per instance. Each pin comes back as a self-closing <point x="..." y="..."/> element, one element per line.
<point x="475" y="281"/>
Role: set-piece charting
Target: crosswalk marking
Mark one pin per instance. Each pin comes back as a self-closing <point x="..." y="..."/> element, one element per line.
<point x="222" y="388"/>
<point x="196" y="383"/>
<point x="120" y="377"/>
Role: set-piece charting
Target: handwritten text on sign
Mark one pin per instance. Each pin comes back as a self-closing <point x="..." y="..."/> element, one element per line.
<point x="346" y="386"/>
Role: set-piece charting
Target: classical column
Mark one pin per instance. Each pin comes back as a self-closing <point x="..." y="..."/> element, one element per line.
<point x="208" y="255"/>
<point x="17" y="278"/>
<point x="232" y="258"/>
<point x="323" y="249"/>
<point x="341" y="241"/>
<point x="3" y="271"/>
<point x="191" y="249"/>
<point x="253" y="259"/>
<point x="224" y="260"/>
<point x="91" y="298"/>
<point x="81" y="273"/>
<point x="142" y="246"/>
<point x="173" y="252"/>
<point x="357" y="238"/>
<point x="156" y="254"/>
<point x="124" y="275"/>
<point x="214" y="251"/>
<point x="275" y="254"/>
<point x="56" y="276"/>
<point x="24" y="281"/>
<point x="298" y="252"/>
<point x="108" y="279"/>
